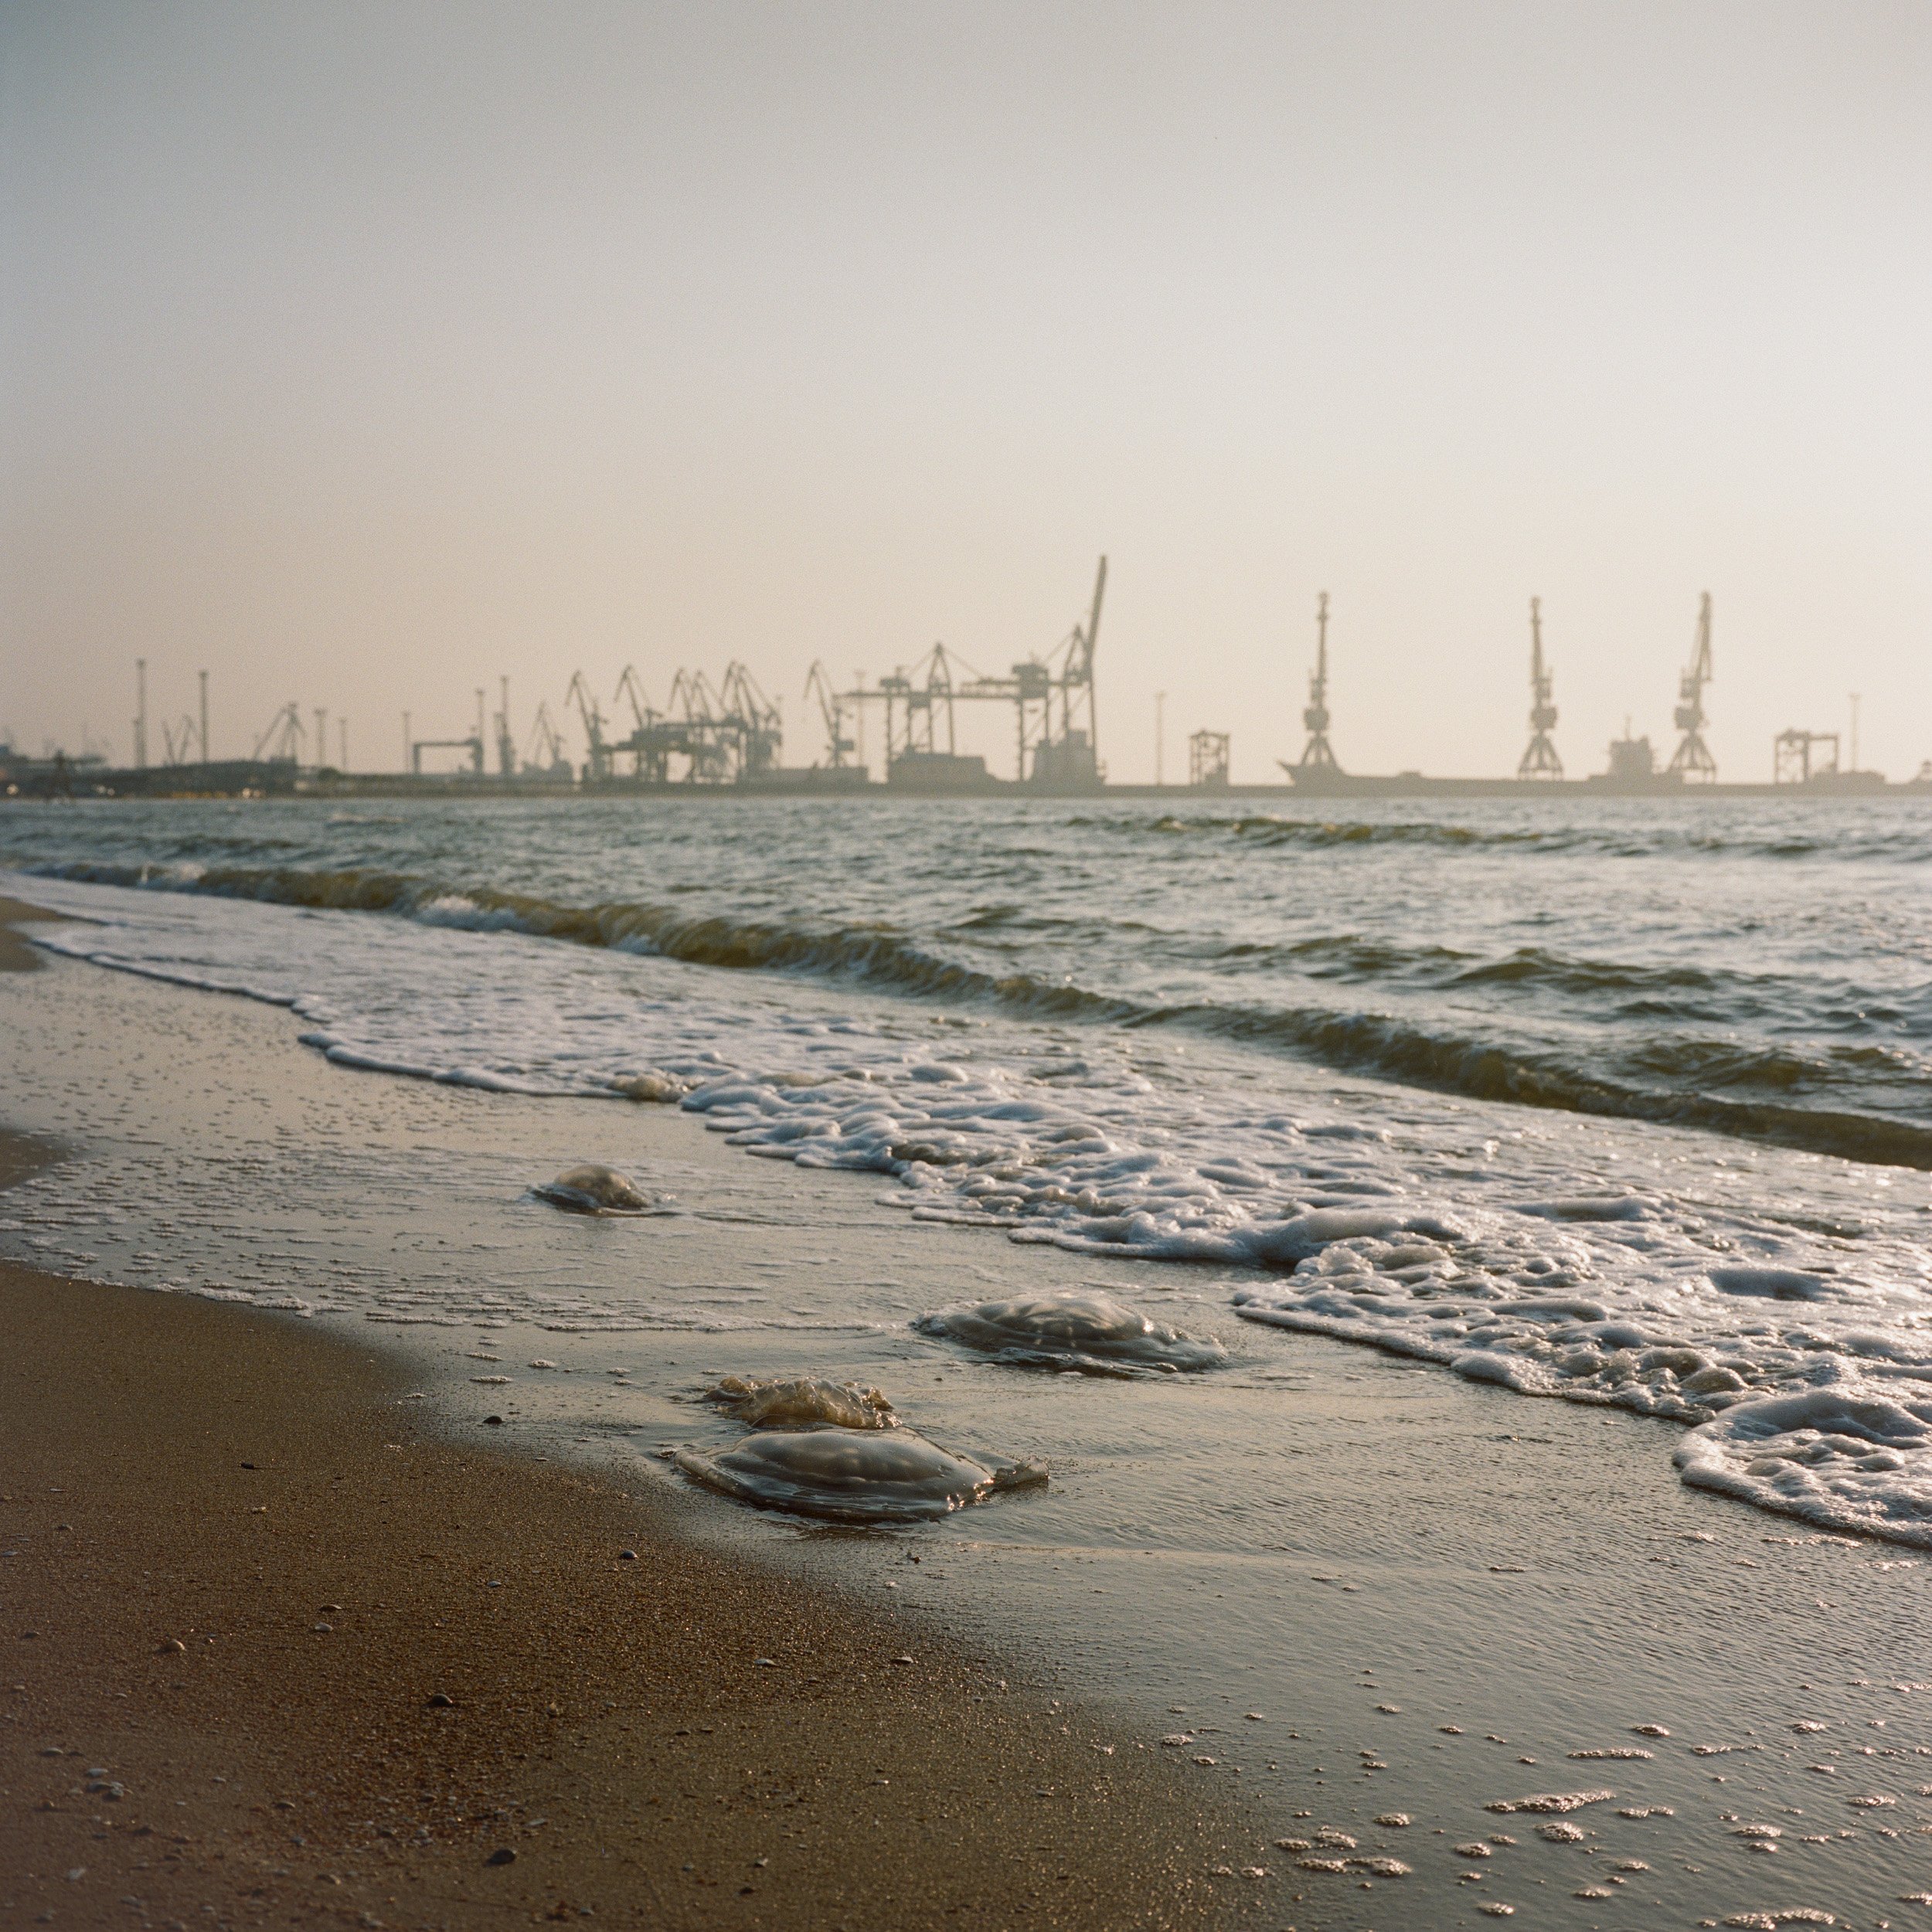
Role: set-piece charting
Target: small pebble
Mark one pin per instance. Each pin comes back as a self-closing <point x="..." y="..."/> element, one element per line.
<point x="502" y="1855"/>
<point x="440" y="1701"/>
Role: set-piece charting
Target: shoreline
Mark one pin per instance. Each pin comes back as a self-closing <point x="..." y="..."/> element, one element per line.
<point x="281" y="1653"/>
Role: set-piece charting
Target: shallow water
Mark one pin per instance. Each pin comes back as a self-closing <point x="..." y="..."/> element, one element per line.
<point x="1627" y="1102"/>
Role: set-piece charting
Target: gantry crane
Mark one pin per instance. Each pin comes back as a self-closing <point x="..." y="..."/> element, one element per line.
<point x="505" y="743"/>
<point x="751" y="722"/>
<point x="1207" y="761"/>
<point x="1052" y="697"/>
<point x="630" y="690"/>
<point x="1541" y="760"/>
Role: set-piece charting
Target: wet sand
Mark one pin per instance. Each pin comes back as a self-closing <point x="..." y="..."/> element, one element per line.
<point x="16" y="956"/>
<point x="238" y="1578"/>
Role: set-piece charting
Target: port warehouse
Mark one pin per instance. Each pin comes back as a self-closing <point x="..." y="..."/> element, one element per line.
<point x="726" y="739"/>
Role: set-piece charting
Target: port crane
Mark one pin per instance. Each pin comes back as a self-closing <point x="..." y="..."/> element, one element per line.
<point x="753" y="722"/>
<point x="832" y="708"/>
<point x="545" y="753"/>
<point x="1055" y="725"/>
<point x="1207" y="761"/>
<point x="178" y="740"/>
<point x="505" y="743"/>
<point x="283" y="740"/>
<point x="1318" y="754"/>
<point x="597" y="765"/>
<point x="723" y="732"/>
<point x="1541" y="760"/>
<point x="1692" y="757"/>
<point x="630" y="690"/>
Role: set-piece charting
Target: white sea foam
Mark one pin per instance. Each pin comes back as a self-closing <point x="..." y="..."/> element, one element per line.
<point x="1840" y="1454"/>
<point x="1599" y="1261"/>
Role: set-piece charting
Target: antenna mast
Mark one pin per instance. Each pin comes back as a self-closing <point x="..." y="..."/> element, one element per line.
<point x="1317" y="753"/>
<point x="1540" y="760"/>
<point x="1692" y="757"/>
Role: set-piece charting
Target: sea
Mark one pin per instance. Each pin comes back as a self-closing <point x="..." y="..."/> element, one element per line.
<point x="1514" y="1496"/>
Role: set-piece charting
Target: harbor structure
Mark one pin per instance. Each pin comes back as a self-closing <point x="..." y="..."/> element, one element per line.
<point x="1541" y="760"/>
<point x="1207" y="761"/>
<point x="728" y="735"/>
<point x="1692" y="760"/>
<point x="1318" y="755"/>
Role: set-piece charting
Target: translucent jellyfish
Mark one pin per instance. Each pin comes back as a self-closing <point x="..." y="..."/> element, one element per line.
<point x="1091" y="1332"/>
<point x="666" y="1090"/>
<point x="804" y="1402"/>
<point x="860" y="1476"/>
<point x="592" y="1189"/>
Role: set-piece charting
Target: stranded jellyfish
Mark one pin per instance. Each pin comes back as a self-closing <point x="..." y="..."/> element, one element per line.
<point x="1091" y="1332"/>
<point x="665" y="1088"/>
<point x="803" y="1402"/>
<point x="591" y="1189"/>
<point x="847" y="1475"/>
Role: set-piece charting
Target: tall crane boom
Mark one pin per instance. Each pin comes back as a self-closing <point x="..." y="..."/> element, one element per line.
<point x="1541" y="760"/>
<point x="1317" y="752"/>
<point x="832" y="708"/>
<point x="1089" y="643"/>
<point x="1692" y="757"/>
<point x="598" y="764"/>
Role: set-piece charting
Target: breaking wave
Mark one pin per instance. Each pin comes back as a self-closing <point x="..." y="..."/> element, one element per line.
<point x="1721" y="1085"/>
<point x="1656" y="833"/>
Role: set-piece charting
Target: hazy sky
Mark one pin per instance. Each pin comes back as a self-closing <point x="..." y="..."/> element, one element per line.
<point x="362" y="353"/>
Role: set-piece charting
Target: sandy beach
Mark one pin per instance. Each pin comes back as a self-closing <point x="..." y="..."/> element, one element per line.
<point x="275" y="1653"/>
